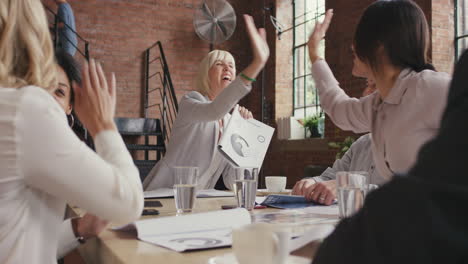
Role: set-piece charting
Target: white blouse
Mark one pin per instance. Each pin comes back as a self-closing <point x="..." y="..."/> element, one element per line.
<point x="401" y="123"/>
<point x="43" y="165"/>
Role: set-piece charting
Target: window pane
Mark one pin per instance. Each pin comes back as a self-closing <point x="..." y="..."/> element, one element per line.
<point x="299" y="8"/>
<point x="308" y="11"/>
<point x="312" y="110"/>
<point x="462" y="45"/>
<point x="301" y="36"/>
<point x="299" y="92"/>
<point x="311" y="92"/>
<point x="462" y="18"/>
<point x="299" y="57"/>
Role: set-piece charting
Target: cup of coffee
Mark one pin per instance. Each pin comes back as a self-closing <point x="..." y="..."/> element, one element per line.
<point x="275" y="183"/>
<point x="260" y="243"/>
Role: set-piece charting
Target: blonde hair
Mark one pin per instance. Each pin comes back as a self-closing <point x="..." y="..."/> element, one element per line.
<point x="26" y="52"/>
<point x="202" y="82"/>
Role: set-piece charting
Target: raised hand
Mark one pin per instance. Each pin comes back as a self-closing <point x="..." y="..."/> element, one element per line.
<point x="318" y="34"/>
<point x="258" y="41"/>
<point x="95" y="100"/>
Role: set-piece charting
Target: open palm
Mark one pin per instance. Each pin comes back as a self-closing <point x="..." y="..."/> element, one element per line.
<point x="258" y="41"/>
<point x="318" y="34"/>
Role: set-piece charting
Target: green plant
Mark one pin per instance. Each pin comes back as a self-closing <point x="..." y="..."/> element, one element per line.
<point x="312" y="123"/>
<point x="342" y="146"/>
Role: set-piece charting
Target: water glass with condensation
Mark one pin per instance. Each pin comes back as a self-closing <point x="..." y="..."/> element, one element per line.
<point x="185" y="183"/>
<point x="351" y="191"/>
<point x="245" y="186"/>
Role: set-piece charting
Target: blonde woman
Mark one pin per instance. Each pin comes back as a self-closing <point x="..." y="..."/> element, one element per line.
<point x="203" y="113"/>
<point x="43" y="164"/>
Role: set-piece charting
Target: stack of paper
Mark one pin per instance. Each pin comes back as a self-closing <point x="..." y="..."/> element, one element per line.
<point x="193" y="231"/>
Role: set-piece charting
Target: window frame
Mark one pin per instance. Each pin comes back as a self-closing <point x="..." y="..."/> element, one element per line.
<point x="458" y="37"/>
<point x="302" y="48"/>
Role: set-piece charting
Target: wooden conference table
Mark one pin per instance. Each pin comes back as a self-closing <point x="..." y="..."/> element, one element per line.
<point x="124" y="247"/>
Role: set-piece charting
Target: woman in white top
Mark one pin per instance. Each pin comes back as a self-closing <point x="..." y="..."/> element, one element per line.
<point x="43" y="164"/>
<point x="204" y="112"/>
<point x="390" y="44"/>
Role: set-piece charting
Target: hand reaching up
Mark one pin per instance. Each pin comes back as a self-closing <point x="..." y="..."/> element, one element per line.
<point x="258" y="41"/>
<point x="318" y="34"/>
<point x="95" y="100"/>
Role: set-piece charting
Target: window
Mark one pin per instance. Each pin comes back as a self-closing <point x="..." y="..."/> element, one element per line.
<point x="305" y="98"/>
<point x="461" y="27"/>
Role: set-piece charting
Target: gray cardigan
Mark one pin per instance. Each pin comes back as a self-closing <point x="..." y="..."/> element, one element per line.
<point x="194" y="136"/>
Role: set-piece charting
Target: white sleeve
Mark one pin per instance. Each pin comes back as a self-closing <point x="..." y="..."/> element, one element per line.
<point x="218" y="108"/>
<point x="67" y="240"/>
<point x="345" y="112"/>
<point x="54" y="160"/>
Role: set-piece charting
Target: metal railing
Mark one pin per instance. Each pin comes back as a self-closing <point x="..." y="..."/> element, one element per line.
<point x="168" y="107"/>
<point x="55" y="28"/>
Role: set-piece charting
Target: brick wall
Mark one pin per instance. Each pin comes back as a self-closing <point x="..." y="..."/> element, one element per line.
<point x="119" y="31"/>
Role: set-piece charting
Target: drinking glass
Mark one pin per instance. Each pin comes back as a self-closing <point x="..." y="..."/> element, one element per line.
<point x="245" y="186"/>
<point x="352" y="188"/>
<point x="185" y="193"/>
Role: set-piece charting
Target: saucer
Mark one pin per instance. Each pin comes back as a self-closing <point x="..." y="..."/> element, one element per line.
<point x="265" y="192"/>
<point x="231" y="259"/>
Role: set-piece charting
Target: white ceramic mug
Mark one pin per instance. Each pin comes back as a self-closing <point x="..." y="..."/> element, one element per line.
<point x="259" y="243"/>
<point x="275" y="183"/>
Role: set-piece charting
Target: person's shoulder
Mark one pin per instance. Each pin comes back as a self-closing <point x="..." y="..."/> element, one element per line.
<point x="194" y="95"/>
<point x="37" y="99"/>
<point x="363" y="141"/>
<point x="432" y="79"/>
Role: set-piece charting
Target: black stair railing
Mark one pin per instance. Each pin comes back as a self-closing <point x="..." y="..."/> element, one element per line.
<point x="55" y="28"/>
<point x="154" y="57"/>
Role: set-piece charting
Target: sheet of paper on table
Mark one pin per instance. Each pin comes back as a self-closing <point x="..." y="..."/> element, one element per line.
<point x="192" y="231"/>
<point x="169" y="192"/>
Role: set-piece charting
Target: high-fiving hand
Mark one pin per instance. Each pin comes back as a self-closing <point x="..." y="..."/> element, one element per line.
<point x="318" y="34"/>
<point x="258" y="41"/>
<point x="95" y="100"/>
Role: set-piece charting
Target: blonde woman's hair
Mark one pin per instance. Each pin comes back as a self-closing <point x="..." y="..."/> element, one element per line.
<point x="26" y="52"/>
<point x="202" y="82"/>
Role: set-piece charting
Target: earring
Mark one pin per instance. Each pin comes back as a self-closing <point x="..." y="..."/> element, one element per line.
<point x="71" y="120"/>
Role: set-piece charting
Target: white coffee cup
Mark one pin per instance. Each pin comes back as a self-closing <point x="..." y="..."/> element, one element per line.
<point x="275" y="183"/>
<point x="260" y="243"/>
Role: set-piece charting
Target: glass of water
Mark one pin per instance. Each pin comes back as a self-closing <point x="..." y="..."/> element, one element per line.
<point x="185" y="183"/>
<point x="352" y="189"/>
<point x="245" y="186"/>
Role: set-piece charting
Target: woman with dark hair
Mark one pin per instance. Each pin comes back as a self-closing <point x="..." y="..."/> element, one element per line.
<point x="422" y="217"/>
<point x="76" y="230"/>
<point x="390" y="45"/>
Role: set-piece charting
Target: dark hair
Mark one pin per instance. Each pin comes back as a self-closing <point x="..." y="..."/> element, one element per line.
<point x="71" y="68"/>
<point x="401" y="28"/>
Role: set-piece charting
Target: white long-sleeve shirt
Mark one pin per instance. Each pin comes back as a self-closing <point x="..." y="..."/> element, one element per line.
<point x="43" y="165"/>
<point x="400" y="124"/>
